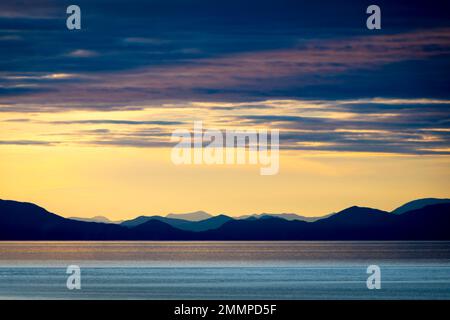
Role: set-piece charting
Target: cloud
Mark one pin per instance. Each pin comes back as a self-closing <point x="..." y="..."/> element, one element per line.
<point x="142" y="40"/>
<point x="82" y="53"/>
<point x="37" y="76"/>
<point x="17" y="120"/>
<point x="11" y="37"/>
<point x="245" y="68"/>
<point x="125" y="122"/>
<point x="397" y="126"/>
<point x="247" y="76"/>
<point x="27" y="142"/>
<point x="136" y="143"/>
<point x="33" y="9"/>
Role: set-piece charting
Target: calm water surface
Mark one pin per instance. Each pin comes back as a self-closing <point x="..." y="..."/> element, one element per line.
<point x="225" y="270"/>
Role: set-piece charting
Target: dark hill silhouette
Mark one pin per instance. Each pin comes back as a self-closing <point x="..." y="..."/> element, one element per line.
<point x="26" y="221"/>
<point x="158" y="230"/>
<point x="419" y="204"/>
<point x="268" y="228"/>
<point x="355" y="223"/>
<point x="349" y="224"/>
<point x="202" y="225"/>
<point x="428" y="223"/>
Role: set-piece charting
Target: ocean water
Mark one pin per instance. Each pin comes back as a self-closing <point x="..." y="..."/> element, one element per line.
<point x="225" y="270"/>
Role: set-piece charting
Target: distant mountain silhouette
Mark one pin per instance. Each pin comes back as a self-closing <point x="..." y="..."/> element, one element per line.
<point x="101" y="219"/>
<point x="192" y="216"/>
<point x="418" y="204"/>
<point x="143" y="219"/>
<point x="286" y="216"/>
<point x="26" y="221"/>
<point x="202" y="225"/>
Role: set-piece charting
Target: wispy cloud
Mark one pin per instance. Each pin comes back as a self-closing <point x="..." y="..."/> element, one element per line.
<point x="17" y="120"/>
<point x="27" y="142"/>
<point x="245" y="75"/>
<point x="126" y="122"/>
<point x="38" y="76"/>
<point x="22" y="9"/>
<point x="397" y="126"/>
<point x="142" y="40"/>
<point x="82" y="53"/>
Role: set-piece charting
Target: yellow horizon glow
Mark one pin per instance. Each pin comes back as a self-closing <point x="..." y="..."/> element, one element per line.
<point x="122" y="183"/>
<point x="76" y="177"/>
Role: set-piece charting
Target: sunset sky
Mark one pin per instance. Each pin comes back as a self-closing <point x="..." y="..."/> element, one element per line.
<point x="86" y="116"/>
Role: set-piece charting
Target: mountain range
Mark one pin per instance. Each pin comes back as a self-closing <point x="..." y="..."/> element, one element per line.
<point x="423" y="219"/>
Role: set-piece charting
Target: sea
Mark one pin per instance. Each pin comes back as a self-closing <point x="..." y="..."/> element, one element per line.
<point x="244" y="270"/>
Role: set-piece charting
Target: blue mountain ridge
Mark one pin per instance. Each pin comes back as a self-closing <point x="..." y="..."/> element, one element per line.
<point x="26" y="221"/>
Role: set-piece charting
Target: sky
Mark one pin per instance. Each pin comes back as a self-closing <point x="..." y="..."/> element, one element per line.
<point x="86" y="116"/>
